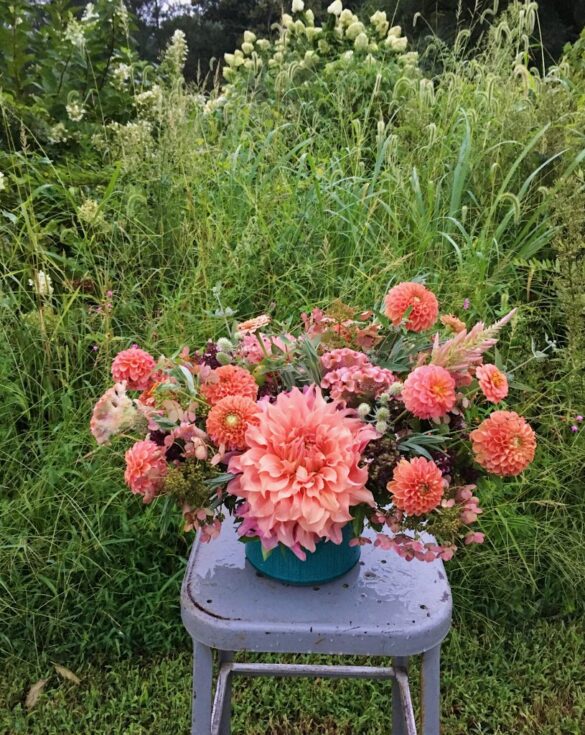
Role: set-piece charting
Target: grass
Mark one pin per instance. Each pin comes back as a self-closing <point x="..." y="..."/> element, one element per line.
<point x="496" y="681"/>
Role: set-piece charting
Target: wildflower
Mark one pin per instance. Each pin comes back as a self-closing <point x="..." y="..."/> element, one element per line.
<point x="493" y="382"/>
<point x="89" y="14"/>
<point x="58" y="134"/>
<point x="354" y="30"/>
<point x="417" y="486"/>
<point x="229" y="380"/>
<point x="249" y="37"/>
<point x="381" y="427"/>
<point x="504" y="444"/>
<point x="75" y="111"/>
<point x="253" y="325"/>
<point x="247" y="48"/>
<point x="429" y="392"/>
<point x="134" y="366"/>
<point x="298" y="6"/>
<point x="75" y="34"/>
<point x="466" y="304"/>
<point x="346" y="18"/>
<point x="363" y="410"/>
<point x="361" y="42"/>
<point x="287" y="21"/>
<point x="89" y="212"/>
<point x="229" y="420"/>
<point x="423" y="305"/>
<point x="380" y="22"/>
<point x="176" y="52"/>
<point x="42" y="284"/>
<point x="146" y="467"/>
<point x="579" y="418"/>
<point x="121" y="74"/>
<point x="301" y="473"/>
<point x="263" y="44"/>
<point x="335" y="8"/>
<point x="574" y="428"/>
<point x="113" y="413"/>
<point x="2" y="181"/>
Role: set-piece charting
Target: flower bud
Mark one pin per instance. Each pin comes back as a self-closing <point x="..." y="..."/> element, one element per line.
<point x="224" y="345"/>
<point x="363" y="410"/>
<point x="335" y="8"/>
<point x="381" y="427"/>
<point x="361" y="42"/>
<point x="382" y="414"/>
<point x="222" y="357"/>
<point x="298" y="6"/>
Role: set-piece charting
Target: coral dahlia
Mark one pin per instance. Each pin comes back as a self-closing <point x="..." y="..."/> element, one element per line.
<point x="504" y="444"/>
<point x="146" y="467"/>
<point x="134" y="366"/>
<point x="301" y="473"/>
<point x="429" y="392"/>
<point x="409" y="295"/>
<point x="417" y="486"/>
<point x="229" y="420"/>
<point x="493" y="382"/>
<point x="229" y="380"/>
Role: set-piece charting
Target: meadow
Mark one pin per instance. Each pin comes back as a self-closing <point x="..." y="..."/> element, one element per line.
<point x="299" y="183"/>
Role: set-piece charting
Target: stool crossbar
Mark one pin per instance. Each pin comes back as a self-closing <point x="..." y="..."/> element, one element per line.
<point x="385" y="606"/>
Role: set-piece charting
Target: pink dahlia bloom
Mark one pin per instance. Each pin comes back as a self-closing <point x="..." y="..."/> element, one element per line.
<point x="357" y="382"/>
<point x="229" y="380"/>
<point x="504" y="444"/>
<point x="146" y="467"/>
<point x="113" y="413"/>
<point x="417" y="486"/>
<point x="343" y="358"/>
<point x="429" y="392"/>
<point x="134" y="366"/>
<point x="414" y="296"/>
<point x="493" y="383"/>
<point x="301" y="473"/>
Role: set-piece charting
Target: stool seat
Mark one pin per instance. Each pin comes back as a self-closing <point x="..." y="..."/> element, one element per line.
<point x="384" y="606"/>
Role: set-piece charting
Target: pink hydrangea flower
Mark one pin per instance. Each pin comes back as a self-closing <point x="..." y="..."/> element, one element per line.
<point x="343" y="358"/>
<point x="357" y="382"/>
<point x="301" y="474"/>
<point x="429" y="392"/>
<point x="133" y="366"/>
<point x="146" y="468"/>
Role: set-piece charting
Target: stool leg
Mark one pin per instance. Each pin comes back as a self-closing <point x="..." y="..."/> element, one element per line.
<point x="202" y="682"/>
<point x="431" y="691"/>
<point x="398" y="724"/>
<point x="226" y="715"/>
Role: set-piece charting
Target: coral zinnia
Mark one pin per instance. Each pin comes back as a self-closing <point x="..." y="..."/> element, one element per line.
<point x="409" y="295"/>
<point x="357" y="382"/>
<point x="493" y="382"/>
<point x="253" y="325"/>
<point x="229" y="419"/>
<point x="134" y="366"/>
<point x="429" y="392"/>
<point x="146" y="468"/>
<point x="504" y="444"/>
<point x="229" y="380"/>
<point x="301" y="473"/>
<point x="417" y="486"/>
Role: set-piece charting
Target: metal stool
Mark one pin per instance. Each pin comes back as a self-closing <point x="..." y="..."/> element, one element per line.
<point x="385" y="606"/>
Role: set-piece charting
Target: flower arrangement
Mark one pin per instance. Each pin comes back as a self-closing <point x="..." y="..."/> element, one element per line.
<point x="370" y="419"/>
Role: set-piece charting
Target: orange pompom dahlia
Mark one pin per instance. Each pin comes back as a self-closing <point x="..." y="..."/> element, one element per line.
<point x="229" y="420"/>
<point x="493" y="382"/>
<point x="146" y="467"/>
<point x="417" y="486"/>
<point x="429" y="392"/>
<point x="409" y="295"/>
<point x="229" y="380"/>
<point x="504" y="444"/>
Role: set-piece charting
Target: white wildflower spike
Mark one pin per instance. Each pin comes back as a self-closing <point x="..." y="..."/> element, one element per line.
<point x="361" y="42"/>
<point x="354" y="30"/>
<point x="335" y="8"/>
<point x="41" y="283"/>
<point x="298" y="6"/>
<point x="249" y="37"/>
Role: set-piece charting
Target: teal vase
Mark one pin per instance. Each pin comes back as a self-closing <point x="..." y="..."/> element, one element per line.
<point x="329" y="561"/>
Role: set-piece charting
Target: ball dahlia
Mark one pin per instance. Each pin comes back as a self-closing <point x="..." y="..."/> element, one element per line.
<point x="229" y="380"/>
<point x="357" y="382"/>
<point x="417" y="486"/>
<point x="134" y="366"/>
<point x="429" y="392"/>
<point x="493" y="382"/>
<point x="504" y="444"/>
<point x="146" y="468"/>
<point x="409" y="295"/>
<point x="301" y="473"/>
<point x="229" y="419"/>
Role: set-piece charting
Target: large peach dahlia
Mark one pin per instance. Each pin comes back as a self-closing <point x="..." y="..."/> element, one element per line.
<point x="504" y="444"/>
<point x="301" y="473"/>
